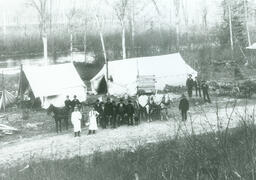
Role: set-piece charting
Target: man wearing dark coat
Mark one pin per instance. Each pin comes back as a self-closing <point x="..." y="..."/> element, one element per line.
<point x="97" y="107"/>
<point x="184" y="107"/>
<point x="205" y="89"/>
<point x="190" y="84"/>
<point x="121" y="111"/>
<point x="68" y="106"/>
<point x="198" y="86"/>
<point x="108" y="111"/>
<point x="114" y="114"/>
<point x="76" y="102"/>
<point x="68" y="103"/>
<point x="130" y="112"/>
<point x="102" y="117"/>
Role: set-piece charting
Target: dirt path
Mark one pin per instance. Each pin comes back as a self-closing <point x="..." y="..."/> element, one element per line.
<point x="64" y="145"/>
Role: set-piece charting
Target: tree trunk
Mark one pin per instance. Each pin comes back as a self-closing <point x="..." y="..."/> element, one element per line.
<point x="177" y="36"/>
<point x="123" y="41"/>
<point x="177" y="6"/>
<point x="85" y="31"/>
<point x="85" y="44"/>
<point x="133" y="29"/>
<point x="230" y="30"/>
<point x="71" y="46"/>
<point x="4" y="24"/>
<point x="44" y="38"/>
<point x="170" y="27"/>
<point x="246" y="21"/>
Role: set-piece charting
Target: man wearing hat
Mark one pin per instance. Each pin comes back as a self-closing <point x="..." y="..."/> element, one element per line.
<point x="184" y="107"/>
<point x="205" y="89"/>
<point x="76" y="102"/>
<point x="108" y="111"/>
<point x="121" y="110"/>
<point x="198" y="86"/>
<point x="190" y="84"/>
<point x="130" y="112"/>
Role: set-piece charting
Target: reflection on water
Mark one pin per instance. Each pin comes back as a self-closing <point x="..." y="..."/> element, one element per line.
<point x="11" y="66"/>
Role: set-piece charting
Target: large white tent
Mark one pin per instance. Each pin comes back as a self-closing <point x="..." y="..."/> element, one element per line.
<point x="53" y="83"/>
<point x="168" y="69"/>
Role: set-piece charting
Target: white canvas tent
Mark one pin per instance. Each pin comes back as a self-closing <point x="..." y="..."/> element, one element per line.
<point x="53" y="83"/>
<point x="6" y="99"/>
<point x="252" y="47"/>
<point x="168" y="69"/>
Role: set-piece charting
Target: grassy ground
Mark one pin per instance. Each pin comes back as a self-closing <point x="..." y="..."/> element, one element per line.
<point x="227" y="154"/>
<point x="221" y="155"/>
<point x="39" y="123"/>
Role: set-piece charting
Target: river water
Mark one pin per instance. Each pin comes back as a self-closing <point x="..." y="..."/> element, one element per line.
<point x="12" y="66"/>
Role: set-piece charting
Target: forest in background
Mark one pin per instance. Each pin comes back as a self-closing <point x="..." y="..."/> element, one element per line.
<point x="122" y="31"/>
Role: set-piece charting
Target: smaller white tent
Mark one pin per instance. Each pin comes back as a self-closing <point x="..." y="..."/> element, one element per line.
<point x="168" y="69"/>
<point x="6" y="99"/>
<point x="53" y="83"/>
<point x="252" y="47"/>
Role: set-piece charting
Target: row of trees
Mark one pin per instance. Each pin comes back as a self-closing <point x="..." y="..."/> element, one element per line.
<point x="126" y="14"/>
<point x="171" y="29"/>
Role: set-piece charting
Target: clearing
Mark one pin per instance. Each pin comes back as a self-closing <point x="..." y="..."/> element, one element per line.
<point x="64" y="145"/>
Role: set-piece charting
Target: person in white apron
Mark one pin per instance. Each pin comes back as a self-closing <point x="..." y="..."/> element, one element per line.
<point x="93" y="121"/>
<point x="76" y="117"/>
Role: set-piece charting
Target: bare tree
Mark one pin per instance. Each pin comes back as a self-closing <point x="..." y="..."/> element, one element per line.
<point x="177" y="22"/>
<point x="41" y="8"/>
<point x="120" y="7"/>
<point x="185" y="11"/>
<point x="71" y="17"/>
<point x="85" y="28"/>
<point x="135" y="8"/>
<point x="246" y="21"/>
<point x="230" y="29"/>
<point x="204" y="16"/>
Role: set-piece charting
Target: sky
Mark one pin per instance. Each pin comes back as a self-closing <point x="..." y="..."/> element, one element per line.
<point x="16" y="11"/>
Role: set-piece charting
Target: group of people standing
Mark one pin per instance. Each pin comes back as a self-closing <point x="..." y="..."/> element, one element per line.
<point x="200" y="86"/>
<point x="72" y="107"/>
<point x="105" y="114"/>
<point x="114" y="114"/>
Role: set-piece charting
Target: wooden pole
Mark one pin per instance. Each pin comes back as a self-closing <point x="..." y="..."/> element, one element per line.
<point x="103" y="47"/>
<point x="3" y="92"/>
<point x="20" y="93"/>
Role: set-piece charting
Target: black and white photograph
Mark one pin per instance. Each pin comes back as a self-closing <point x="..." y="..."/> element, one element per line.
<point x="127" y="89"/>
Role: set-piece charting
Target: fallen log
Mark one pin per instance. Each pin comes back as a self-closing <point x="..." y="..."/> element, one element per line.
<point x="7" y="128"/>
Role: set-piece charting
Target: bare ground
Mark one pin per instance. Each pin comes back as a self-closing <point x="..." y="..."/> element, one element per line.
<point x="64" y="145"/>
